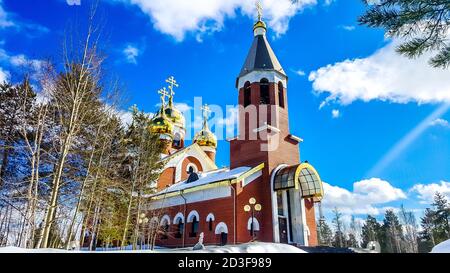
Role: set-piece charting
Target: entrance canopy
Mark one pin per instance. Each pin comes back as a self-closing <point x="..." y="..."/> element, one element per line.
<point x="302" y="177"/>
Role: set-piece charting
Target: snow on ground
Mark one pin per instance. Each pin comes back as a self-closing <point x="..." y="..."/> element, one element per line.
<point x="443" y="247"/>
<point x="242" y="248"/>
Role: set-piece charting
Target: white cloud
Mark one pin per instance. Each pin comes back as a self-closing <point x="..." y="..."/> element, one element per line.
<point x="426" y="192"/>
<point x="4" y="75"/>
<point x="366" y="197"/>
<point x="177" y="17"/>
<point x="299" y="72"/>
<point x="386" y="76"/>
<point x="4" y="20"/>
<point x="349" y="28"/>
<point x="335" y="113"/>
<point x="440" y="122"/>
<point x="131" y="53"/>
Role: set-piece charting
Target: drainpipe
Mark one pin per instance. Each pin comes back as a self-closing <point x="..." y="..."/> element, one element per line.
<point x="184" y="214"/>
<point x="234" y="212"/>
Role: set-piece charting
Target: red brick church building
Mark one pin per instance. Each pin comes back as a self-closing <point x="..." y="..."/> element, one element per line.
<point x="266" y="194"/>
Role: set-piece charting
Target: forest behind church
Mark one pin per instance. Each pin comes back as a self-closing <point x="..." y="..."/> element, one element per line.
<point x="68" y="164"/>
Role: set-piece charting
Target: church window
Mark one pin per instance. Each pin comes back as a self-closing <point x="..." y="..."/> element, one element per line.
<point x="210" y="224"/>
<point x="194" y="227"/>
<point x="177" y="141"/>
<point x="264" y="96"/>
<point x="180" y="227"/>
<point x="165" y="229"/>
<point x="281" y="94"/>
<point x="280" y="203"/>
<point x="247" y="94"/>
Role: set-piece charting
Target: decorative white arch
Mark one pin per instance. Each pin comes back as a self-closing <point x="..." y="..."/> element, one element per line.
<point x="221" y="227"/>
<point x="255" y="224"/>
<point x="191" y="216"/>
<point x="210" y="217"/>
<point x="194" y="167"/>
<point x="178" y="216"/>
<point x="164" y="219"/>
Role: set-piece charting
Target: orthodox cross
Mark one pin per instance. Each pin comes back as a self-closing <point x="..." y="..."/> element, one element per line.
<point x="172" y="82"/>
<point x="163" y="94"/>
<point x="259" y="9"/>
<point x="206" y="110"/>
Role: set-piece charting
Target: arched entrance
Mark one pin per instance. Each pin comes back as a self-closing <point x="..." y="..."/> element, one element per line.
<point x="291" y="185"/>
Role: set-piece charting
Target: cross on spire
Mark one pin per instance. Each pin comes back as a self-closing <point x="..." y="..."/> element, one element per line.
<point x="259" y="9"/>
<point x="172" y="82"/>
<point x="206" y="110"/>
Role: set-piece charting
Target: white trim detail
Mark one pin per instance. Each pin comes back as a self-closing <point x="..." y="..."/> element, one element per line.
<point x="221" y="227"/>
<point x="255" y="224"/>
<point x="210" y="217"/>
<point x="165" y="217"/>
<point x="178" y="216"/>
<point x="191" y="215"/>
<point x="193" y="166"/>
<point x="251" y="178"/>
<point x="266" y="127"/>
<point x="275" y="224"/>
<point x="257" y="75"/>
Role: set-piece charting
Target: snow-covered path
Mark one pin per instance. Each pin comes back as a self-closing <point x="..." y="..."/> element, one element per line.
<point x="242" y="248"/>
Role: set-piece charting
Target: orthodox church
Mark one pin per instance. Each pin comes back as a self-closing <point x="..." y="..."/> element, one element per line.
<point x="266" y="194"/>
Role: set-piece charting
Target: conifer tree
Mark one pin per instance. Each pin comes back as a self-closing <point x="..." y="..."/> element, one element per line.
<point x="422" y="24"/>
<point x="371" y="231"/>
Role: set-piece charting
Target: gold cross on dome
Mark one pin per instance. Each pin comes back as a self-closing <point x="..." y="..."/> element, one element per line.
<point x="163" y="94"/>
<point x="206" y="110"/>
<point x="259" y="9"/>
<point x="172" y="82"/>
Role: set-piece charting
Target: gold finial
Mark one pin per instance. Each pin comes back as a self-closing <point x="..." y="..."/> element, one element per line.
<point x="259" y="9"/>
<point x="172" y="82"/>
<point x="163" y="94"/>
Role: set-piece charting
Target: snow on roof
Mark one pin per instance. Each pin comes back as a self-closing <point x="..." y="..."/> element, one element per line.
<point x="207" y="178"/>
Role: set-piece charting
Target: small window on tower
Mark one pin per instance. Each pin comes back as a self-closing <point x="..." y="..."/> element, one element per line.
<point x="247" y="94"/>
<point x="264" y="92"/>
<point x="281" y="94"/>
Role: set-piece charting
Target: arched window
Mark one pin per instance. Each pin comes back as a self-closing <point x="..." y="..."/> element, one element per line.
<point x="253" y="226"/>
<point x="180" y="227"/>
<point x="264" y="96"/>
<point x="177" y="141"/>
<point x="210" y="220"/>
<point x="194" y="227"/>
<point x="165" y="228"/>
<point x="247" y="94"/>
<point x="281" y="94"/>
<point x="210" y="224"/>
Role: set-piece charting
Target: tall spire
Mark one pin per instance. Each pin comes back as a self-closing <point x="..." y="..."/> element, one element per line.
<point x="261" y="56"/>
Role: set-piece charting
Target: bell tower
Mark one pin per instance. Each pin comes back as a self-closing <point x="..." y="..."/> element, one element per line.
<point x="263" y="134"/>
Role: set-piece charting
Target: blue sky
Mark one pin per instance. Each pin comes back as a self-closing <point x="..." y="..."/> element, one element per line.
<point x="351" y="97"/>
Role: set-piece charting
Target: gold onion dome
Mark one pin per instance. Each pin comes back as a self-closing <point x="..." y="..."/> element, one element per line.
<point x="205" y="137"/>
<point x="160" y="123"/>
<point x="174" y="114"/>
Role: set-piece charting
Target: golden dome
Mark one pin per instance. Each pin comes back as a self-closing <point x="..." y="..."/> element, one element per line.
<point x="174" y="115"/>
<point x="205" y="137"/>
<point x="160" y="124"/>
